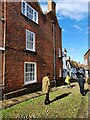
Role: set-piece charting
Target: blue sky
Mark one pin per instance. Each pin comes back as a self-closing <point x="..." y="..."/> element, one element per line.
<point x="73" y="19"/>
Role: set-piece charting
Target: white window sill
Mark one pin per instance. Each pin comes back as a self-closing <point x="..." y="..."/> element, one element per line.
<point x="2" y="49"/>
<point x="29" y="83"/>
<point x="28" y="50"/>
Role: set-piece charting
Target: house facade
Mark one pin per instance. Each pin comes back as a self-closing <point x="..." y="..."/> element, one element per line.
<point x="71" y="66"/>
<point x="87" y="63"/>
<point x="31" y="45"/>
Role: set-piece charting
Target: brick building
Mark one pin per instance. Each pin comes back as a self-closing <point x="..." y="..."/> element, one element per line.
<point x="87" y="62"/>
<point x="31" y="45"/>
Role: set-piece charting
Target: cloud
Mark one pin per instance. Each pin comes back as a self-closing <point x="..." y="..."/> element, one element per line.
<point x="74" y="9"/>
<point x="74" y="1"/>
<point x="63" y="30"/>
<point x="59" y="17"/>
<point x="77" y="27"/>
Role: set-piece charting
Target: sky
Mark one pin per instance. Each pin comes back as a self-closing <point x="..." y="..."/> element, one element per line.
<point x="72" y="16"/>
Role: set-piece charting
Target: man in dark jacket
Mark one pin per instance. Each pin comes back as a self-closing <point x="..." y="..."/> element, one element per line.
<point x="81" y="82"/>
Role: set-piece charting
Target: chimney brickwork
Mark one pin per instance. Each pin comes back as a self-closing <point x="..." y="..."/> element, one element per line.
<point x="52" y="6"/>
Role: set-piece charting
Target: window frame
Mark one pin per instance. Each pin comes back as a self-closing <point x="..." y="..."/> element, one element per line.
<point x="89" y="59"/>
<point x="60" y="72"/>
<point x="34" y="11"/>
<point x="35" y="73"/>
<point x="29" y="41"/>
<point x="22" y="7"/>
<point x="59" y="52"/>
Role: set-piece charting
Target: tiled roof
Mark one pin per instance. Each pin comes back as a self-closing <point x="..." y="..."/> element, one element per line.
<point x="75" y="64"/>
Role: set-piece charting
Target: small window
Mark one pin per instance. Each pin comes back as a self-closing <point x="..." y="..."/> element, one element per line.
<point x="59" y="53"/>
<point x="89" y="59"/>
<point x="30" y="72"/>
<point x="86" y="62"/>
<point x="60" y="72"/>
<point x="30" y="40"/>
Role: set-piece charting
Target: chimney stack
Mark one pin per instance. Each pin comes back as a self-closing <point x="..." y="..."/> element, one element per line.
<point x="52" y="6"/>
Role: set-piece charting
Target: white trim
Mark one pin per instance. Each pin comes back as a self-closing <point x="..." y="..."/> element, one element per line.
<point x="2" y="48"/>
<point x="26" y="11"/>
<point x="59" y="53"/>
<point x="22" y="7"/>
<point x="30" y="82"/>
<point x="33" y="40"/>
<point x="60" y="72"/>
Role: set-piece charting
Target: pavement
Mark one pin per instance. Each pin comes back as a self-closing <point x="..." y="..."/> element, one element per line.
<point x="16" y="100"/>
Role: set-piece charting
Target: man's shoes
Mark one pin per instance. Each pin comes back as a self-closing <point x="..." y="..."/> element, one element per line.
<point x="84" y="94"/>
<point x="47" y="102"/>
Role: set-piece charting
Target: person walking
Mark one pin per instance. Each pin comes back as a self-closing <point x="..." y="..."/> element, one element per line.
<point x="81" y="82"/>
<point x="46" y="87"/>
<point x="67" y="80"/>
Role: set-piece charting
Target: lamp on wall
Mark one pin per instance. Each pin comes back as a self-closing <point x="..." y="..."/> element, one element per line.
<point x="44" y="64"/>
<point x="2" y="19"/>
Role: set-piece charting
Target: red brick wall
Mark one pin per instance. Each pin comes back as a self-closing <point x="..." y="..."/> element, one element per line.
<point x="86" y="56"/>
<point x="16" y="54"/>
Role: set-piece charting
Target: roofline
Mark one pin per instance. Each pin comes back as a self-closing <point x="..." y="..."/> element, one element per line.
<point x="87" y="52"/>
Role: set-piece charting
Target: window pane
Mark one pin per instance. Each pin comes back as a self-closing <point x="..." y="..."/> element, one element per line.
<point x="29" y="72"/>
<point x="23" y="8"/>
<point x="30" y="40"/>
<point x="33" y="76"/>
<point x="27" y="77"/>
<point x="29" y="12"/>
<point x="29" y="45"/>
<point x="35" y="16"/>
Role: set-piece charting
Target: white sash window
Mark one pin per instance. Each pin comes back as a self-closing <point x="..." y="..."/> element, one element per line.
<point x="29" y="72"/>
<point x="30" y="41"/>
<point x="29" y="12"/>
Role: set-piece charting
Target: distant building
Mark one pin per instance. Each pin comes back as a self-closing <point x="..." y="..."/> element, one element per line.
<point x="87" y="63"/>
<point x="64" y="54"/>
<point x="71" y="66"/>
<point x="31" y="45"/>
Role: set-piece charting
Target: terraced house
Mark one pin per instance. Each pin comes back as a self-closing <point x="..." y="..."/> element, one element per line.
<point x="87" y="63"/>
<point x="31" y="46"/>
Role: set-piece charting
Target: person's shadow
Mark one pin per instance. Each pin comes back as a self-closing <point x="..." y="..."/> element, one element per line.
<point x="60" y="97"/>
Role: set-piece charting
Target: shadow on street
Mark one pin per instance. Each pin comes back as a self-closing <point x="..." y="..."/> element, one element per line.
<point x="60" y="97"/>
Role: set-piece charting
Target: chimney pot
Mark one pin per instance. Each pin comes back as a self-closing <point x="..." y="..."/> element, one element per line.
<point x="51" y="6"/>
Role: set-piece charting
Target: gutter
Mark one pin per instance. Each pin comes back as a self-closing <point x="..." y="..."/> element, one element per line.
<point x="2" y="48"/>
<point x="4" y="42"/>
